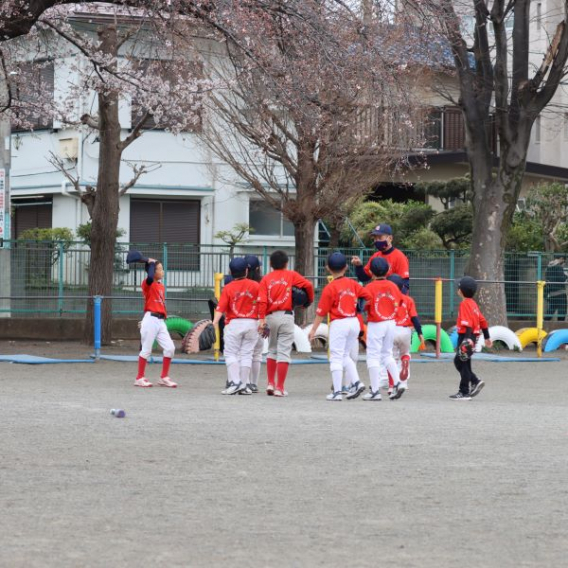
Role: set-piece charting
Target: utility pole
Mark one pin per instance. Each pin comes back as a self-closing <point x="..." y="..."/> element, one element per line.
<point x="5" y="159"/>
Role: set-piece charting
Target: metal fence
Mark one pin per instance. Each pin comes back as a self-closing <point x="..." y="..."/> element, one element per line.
<point x="60" y="271"/>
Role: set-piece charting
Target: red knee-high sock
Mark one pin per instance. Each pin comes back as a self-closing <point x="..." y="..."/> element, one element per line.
<point x="141" y="367"/>
<point x="282" y="372"/>
<point x="166" y="366"/>
<point x="391" y="382"/>
<point x="271" y="370"/>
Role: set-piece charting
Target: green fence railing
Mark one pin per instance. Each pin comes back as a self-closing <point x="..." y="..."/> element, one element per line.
<point x="59" y="273"/>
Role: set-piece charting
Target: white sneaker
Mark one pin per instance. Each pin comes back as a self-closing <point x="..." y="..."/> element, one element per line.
<point x="398" y="391"/>
<point x="280" y="393"/>
<point x="142" y="382"/>
<point x="355" y="390"/>
<point x="246" y="390"/>
<point x="335" y="396"/>
<point x="166" y="382"/>
<point x="374" y="396"/>
<point x="233" y="388"/>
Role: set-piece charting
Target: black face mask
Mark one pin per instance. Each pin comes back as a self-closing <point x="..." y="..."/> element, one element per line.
<point x="381" y="245"/>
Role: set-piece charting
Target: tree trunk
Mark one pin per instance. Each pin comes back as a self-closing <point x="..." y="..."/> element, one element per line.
<point x="494" y="204"/>
<point x="304" y="232"/>
<point x="105" y="209"/>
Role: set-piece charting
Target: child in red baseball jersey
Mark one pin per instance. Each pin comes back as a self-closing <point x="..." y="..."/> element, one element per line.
<point x="253" y="265"/>
<point x="153" y="326"/>
<point x="470" y="324"/>
<point x="406" y="319"/>
<point x="239" y="304"/>
<point x="382" y="310"/>
<point x="276" y="310"/>
<point x="339" y="300"/>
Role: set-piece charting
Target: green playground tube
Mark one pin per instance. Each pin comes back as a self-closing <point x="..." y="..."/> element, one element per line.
<point x="429" y="332"/>
<point x="178" y="325"/>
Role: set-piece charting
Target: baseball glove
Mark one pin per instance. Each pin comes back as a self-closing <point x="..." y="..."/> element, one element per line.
<point x="200" y="338"/>
<point x="465" y="349"/>
<point x="265" y="333"/>
<point x="300" y="298"/>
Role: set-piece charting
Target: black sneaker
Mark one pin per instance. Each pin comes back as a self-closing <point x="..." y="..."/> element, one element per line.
<point x="460" y="396"/>
<point x="476" y="389"/>
<point x="253" y="388"/>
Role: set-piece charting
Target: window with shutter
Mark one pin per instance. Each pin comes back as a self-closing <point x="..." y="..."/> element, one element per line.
<point x="31" y="215"/>
<point x="175" y="222"/>
<point x="454" y="130"/>
<point x="34" y="85"/>
<point x="169" y="72"/>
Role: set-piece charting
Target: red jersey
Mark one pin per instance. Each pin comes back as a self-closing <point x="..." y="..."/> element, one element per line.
<point x="406" y="312"/>
<point x="398" y="263"/>
<point x="154" y="297"/>
<point x="339" y="298"/>
<point x="469" y="315"/>
<point x="239" y="299"/>
<point x="276" y="291"/>
<point x="385" y="300"/>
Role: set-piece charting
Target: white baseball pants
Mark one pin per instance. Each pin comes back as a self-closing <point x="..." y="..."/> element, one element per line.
<point x="401" y="345"/>
<point x="241" y="337"/>
<point x="154" y="329"/>
<point x="343" y="339"/>
<point x="380" y="340"/>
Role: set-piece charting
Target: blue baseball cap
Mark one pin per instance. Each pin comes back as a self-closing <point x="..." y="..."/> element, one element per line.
<point x="379" y="266"/>
<point x="396" y="279"/>
<point x="336" y="261"/>
<point x="382" y="230"/>
<point x="252" y="262"/>
<point x="238" y="264"/>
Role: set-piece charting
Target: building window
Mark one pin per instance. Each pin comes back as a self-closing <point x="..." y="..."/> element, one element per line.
<point x="175" y="222"/>
<point x="537" y="130"/>
<point x="169" y="72"/>
<point x="35" y="213"/>
<point x="33" y="84"/>
<point x="265" y="220"/>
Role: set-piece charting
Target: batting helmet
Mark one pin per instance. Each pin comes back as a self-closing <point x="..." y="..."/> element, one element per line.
<point x="300" y="298"/>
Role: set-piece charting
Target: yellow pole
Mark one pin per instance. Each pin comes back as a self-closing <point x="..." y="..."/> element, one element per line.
<point x="539" y="315"/>
<point x="218" y="279"/>
<point x="329" y="280"/>
<point x="438" y="314"/>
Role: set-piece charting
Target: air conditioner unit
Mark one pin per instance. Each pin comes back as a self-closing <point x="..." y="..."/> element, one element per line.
<point x="69" y="148"/>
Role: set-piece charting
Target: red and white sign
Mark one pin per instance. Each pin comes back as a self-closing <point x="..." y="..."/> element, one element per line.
<point x="2" y="202"/>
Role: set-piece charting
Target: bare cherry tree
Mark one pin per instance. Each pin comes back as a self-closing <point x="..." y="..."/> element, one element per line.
<point x="315" y="110"/>
<point x="500" y="82"/>
<point x="123" y="58"/>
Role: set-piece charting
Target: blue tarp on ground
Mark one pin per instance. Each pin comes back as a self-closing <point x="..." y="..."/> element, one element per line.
<point x="496" y="358"/>
<point x="36" y="360"/>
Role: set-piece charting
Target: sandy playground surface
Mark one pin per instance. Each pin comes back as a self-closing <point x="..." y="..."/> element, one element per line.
<point x="193" y="478"/>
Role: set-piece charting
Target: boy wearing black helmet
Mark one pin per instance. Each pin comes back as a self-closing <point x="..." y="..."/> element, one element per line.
<point x="470" y="324"/>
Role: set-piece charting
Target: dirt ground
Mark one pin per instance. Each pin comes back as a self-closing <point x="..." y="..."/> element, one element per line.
<point x="193" y="478"/>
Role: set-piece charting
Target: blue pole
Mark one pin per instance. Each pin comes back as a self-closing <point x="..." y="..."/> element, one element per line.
<point x="97" y="318"/>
